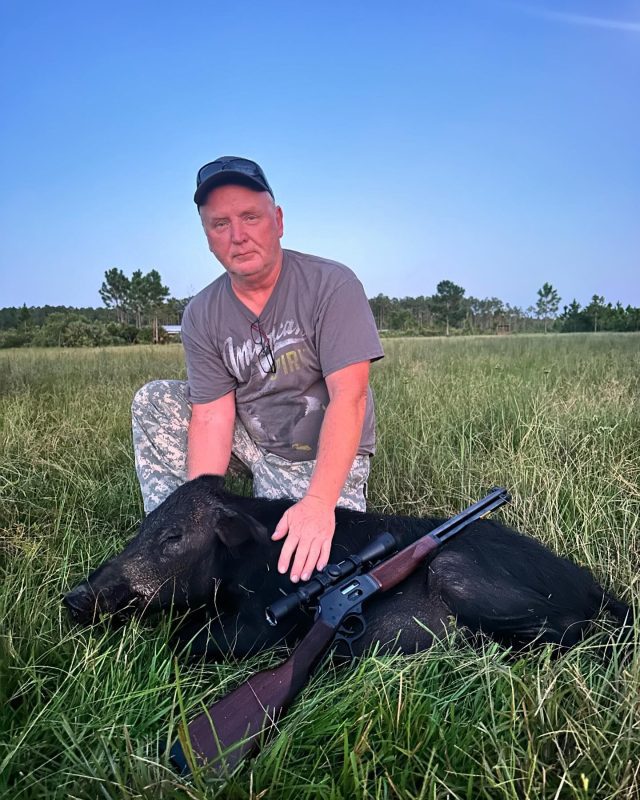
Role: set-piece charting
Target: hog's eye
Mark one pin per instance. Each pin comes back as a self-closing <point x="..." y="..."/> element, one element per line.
<point x="175" y="536"/>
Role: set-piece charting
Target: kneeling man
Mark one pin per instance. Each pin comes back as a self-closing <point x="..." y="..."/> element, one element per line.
<point x="278" y="351"/>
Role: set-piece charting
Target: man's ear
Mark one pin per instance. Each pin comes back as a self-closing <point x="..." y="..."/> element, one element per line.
<point x="235" y="527"/>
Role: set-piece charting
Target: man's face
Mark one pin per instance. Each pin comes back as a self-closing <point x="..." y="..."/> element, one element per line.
<point x="243" y="230"/>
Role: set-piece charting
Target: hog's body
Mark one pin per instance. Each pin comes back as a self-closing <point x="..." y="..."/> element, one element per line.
<point x="209" y="551"/>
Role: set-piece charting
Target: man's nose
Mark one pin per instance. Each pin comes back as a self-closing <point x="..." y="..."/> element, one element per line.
<point x="238" y="233"/>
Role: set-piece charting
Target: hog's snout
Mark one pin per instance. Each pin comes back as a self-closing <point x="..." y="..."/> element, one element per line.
<point x="81" y="603"/>
<point x="85" y="606"/>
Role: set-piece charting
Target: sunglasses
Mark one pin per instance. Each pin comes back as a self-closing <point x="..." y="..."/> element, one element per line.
<point x="265" y="355"/>
<point x="240" y="166"/>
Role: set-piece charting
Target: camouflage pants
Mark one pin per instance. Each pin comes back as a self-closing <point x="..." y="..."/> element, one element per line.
<point x="160" y="415"/>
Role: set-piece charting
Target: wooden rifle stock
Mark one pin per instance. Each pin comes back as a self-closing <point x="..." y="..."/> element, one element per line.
<point x="233" y="727"/>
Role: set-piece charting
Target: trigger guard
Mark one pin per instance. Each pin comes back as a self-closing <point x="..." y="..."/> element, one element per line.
<point x="346" y="636"/>
<point x="352" y="633"/>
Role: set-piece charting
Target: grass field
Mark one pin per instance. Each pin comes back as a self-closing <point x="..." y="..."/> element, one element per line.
<point x="83" y="712"/>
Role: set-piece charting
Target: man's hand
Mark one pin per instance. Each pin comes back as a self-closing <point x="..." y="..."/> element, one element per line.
<point x="309" y="526"/>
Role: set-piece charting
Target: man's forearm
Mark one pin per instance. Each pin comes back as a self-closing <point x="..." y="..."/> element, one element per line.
<point x="337" y="446"/>
<point x="309" y="525"/>
<point x="209" y="442"/>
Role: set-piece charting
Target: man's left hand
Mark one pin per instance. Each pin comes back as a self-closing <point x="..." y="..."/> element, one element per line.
<point x="309" y="526"/>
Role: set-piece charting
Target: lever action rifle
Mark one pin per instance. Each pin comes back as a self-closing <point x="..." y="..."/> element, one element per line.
<point x="234" y="726"/>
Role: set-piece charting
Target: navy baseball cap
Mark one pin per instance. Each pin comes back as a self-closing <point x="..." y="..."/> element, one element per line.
<point x="229" y="169"/>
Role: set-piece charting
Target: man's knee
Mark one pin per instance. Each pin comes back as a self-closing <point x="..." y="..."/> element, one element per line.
<point x="162" y="396"/>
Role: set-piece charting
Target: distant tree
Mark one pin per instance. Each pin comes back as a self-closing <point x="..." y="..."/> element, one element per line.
<point x="55" y="331"/>
<point x="380" y="307"/>
<point x="448" y="304"/>
<point x="136" y="298"/>
<point x="632" y="318"/>
<point x="174" y="309"/>
<point x="572" y="318"/>
<point x="401" y="319"/>
<point x="595" y="312"/>
<point x="8" y="318"/>
<point x="157" y="293"/>
<point x="146" y="295"/>
<point x="484" y="314"/>
<point x="548" y="303"/>
<point x="115" y="291"/>
<point x="24" y="317"/>
<point x="516" y="316"/>
<point x="13" y="337"/>
<point x="617" y="318"/>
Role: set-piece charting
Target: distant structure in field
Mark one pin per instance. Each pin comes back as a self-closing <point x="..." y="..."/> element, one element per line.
<point x="172" y="330"/>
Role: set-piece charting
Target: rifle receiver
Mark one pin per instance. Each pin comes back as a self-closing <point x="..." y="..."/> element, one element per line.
<point x="306" y="595"/>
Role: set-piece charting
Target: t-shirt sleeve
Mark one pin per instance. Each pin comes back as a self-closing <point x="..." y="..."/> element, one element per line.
<point x="207" y="377"/>
<point x="346" y="330"/>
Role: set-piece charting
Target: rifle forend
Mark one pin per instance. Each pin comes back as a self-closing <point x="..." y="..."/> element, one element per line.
<point x="395" y="569"/>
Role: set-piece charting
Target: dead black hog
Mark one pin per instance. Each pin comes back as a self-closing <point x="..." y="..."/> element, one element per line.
<point x="209" y="552"/>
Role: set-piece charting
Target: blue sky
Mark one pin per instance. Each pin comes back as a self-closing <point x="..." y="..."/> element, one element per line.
<point x="496" y="144"/>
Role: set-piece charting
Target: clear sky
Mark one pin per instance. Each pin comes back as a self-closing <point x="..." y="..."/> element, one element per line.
<point x="490" y="142"/>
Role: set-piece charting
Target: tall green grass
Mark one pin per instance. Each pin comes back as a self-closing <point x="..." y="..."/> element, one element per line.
<point x="84" y="713"/>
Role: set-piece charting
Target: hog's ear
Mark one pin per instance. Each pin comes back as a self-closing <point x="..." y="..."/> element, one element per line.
<point x="213" y="482"/>
<point x="235" y="527"/>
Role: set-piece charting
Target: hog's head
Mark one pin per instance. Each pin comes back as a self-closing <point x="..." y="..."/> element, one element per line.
<point x="180" y="554"/>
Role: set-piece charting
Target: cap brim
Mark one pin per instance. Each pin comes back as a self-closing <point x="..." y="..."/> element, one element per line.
<point x="225" y="178"/>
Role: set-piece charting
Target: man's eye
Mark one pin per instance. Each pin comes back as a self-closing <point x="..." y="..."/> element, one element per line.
<point x="220" y="225"/>
<point x="251" y="218"/>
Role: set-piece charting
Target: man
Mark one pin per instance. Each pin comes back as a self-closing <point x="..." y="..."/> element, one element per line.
<point x="278" y="352"/>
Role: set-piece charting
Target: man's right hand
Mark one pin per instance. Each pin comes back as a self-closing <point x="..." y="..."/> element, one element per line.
<point x="309" y="526"/>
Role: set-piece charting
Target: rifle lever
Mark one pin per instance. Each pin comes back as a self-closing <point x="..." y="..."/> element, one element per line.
<point x="348" y="632"/>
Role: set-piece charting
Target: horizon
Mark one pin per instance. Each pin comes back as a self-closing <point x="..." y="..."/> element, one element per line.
<point x="525" y="310"/>
<point x="486" y="142"/>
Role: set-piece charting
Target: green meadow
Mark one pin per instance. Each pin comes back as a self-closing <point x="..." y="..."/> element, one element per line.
<point x="84" y="713"/>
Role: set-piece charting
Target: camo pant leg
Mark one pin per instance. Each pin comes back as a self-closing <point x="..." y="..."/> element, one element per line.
<point x="275" y="477"/>
<point x="160" y="415"/>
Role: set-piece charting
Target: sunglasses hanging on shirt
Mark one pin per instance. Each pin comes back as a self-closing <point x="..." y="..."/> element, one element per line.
<point x="265" y="354"/>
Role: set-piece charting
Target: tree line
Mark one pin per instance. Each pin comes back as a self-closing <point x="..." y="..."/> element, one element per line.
<point x="136" y="308"/>
<point x="450" y="312"/>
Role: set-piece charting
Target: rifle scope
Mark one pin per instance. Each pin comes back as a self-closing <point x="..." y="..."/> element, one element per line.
<point x="378" y="548"/>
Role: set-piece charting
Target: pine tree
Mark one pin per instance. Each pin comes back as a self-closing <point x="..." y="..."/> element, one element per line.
<point x="448" y="303"/>
<point x="115" y="291"/>
<point x="548" y="303"/>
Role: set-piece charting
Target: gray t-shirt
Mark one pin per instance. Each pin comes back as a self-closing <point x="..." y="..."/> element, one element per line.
<point x="318" y="321"/>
